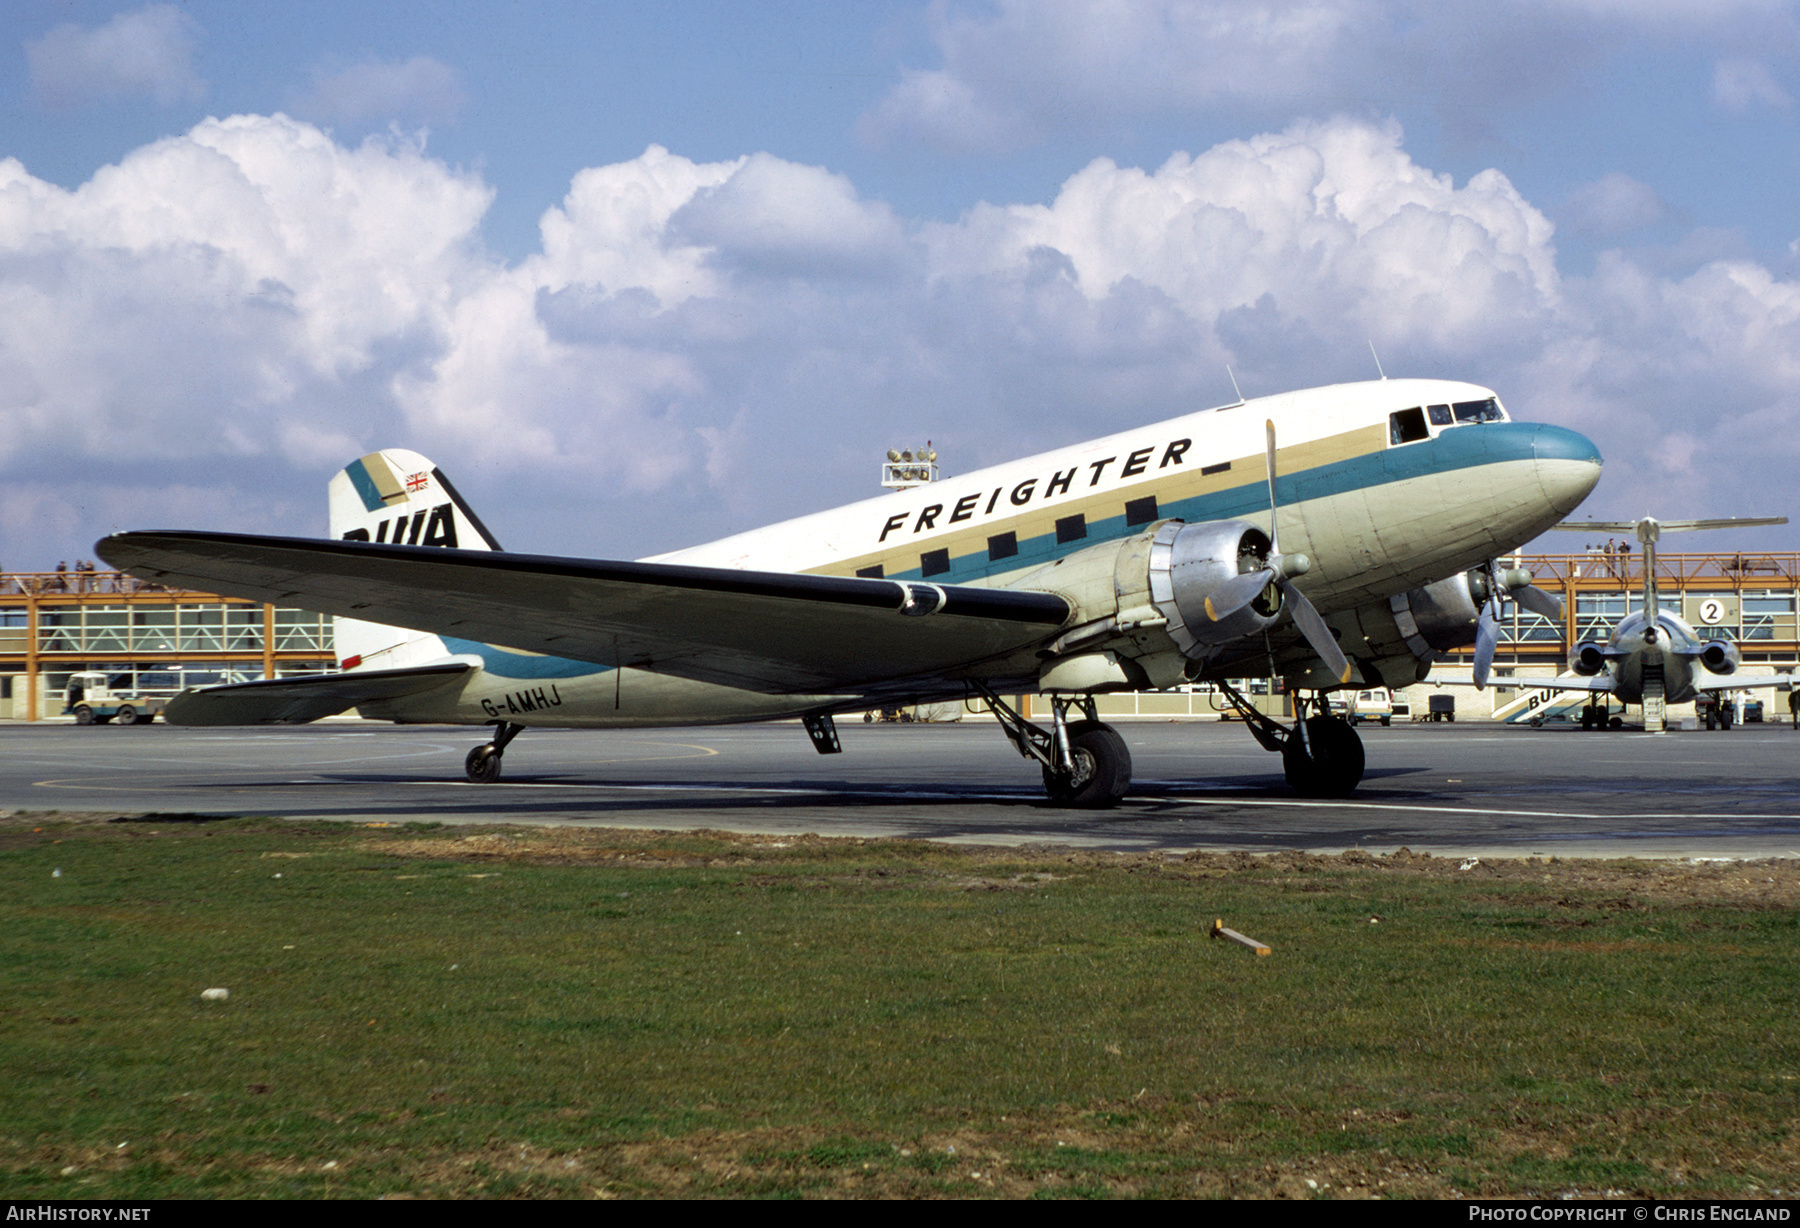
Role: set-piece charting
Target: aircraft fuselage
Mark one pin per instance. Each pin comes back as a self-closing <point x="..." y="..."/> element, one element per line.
<point x="1385" y="486"/>
<point x="1673" y="647"/>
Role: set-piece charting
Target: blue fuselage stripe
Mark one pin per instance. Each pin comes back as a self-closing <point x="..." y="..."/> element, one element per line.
<point x="1455" y="449"/>
<point x="502" y="663"/>
<point x="1458" y="448"/>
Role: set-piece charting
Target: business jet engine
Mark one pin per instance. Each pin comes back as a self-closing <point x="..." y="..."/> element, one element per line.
<point x="1588" y="659"/>
<point x="1720" y="656"/>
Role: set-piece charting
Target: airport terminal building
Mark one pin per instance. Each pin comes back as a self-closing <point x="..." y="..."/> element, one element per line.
<point x="55" y="624"/>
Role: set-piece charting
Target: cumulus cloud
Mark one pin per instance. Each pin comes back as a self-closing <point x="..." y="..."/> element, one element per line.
<point x="230" y="315"/>
<point x="186" y="309"/>
<point x="777" y="217"/>
<point x="1331" y="223"/>
<point x="146" y="53"/>
<point x="1613" y="204"/>
<point x="419" y="90"/>
<point x="1745" y="85"/>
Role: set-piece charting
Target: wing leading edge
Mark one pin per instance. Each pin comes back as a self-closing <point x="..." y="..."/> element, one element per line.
<point x="773" y="632"/>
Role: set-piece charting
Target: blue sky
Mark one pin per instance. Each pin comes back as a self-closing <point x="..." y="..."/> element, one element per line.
<point x="613" y="266"/>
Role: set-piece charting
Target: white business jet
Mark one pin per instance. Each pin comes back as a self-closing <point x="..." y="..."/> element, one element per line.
<point x="1652" y="660"/>
<point x="1334" y="536"/>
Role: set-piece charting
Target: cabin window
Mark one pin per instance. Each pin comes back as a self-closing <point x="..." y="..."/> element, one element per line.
<point x="934" y="562"/>
<point x="872" y="573"/>
<point x="1002" y="546"/>
<point x="1407" y="426"/>
<point x="1141" y="511"/>
<point x="1071" y="529"/>
<point x="1440" y="415"/>
<point x="1480" y="411"/>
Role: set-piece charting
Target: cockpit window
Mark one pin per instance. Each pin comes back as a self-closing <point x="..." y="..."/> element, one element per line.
<point x="1440" y="415"/>
<point x="1407" y="426"/>
<point x="1480" y="411"/>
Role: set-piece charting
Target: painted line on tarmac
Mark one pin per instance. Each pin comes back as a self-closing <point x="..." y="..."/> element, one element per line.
<point x="1471" y="810"/>
<point x="782" y="790"/>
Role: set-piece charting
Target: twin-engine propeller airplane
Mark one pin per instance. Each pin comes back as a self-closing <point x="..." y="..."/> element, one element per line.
<point x="1334" y="536"/>
<point x="1652" y="658"/>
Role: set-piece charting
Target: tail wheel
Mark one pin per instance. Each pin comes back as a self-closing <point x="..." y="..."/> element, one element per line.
<point x="1101" y="768"/>
<point x="483" y="764"/>
<point x="1329" y="764"/>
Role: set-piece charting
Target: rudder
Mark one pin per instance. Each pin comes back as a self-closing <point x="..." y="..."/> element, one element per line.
<point x="397" y="497"/>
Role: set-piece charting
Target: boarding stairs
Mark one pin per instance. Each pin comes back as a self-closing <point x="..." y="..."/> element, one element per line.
<point x="1655" y="713"/>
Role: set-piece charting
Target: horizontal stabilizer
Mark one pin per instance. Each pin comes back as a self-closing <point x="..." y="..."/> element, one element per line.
<point x="1562" y="682"/>
<point x="295" y="701"/>
<point x="774" y="632"/>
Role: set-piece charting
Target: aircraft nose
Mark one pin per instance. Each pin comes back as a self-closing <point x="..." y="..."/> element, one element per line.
<point x="1568" y="466"/>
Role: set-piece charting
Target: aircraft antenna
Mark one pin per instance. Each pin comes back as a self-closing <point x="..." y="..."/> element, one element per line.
<point x="1234" y="387"/>
<point x="1377" y="358"/>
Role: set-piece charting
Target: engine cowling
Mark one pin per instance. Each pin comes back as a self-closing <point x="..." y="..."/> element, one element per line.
<point x="1191" y="562"/>
<point x="1588" y="659"/>
<point x="1720" y="656"/>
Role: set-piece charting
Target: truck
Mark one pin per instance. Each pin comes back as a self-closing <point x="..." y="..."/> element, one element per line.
<point x="96" y="698"/>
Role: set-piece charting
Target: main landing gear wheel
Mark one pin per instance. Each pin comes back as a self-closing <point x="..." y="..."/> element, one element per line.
<point x="1329" y="763"/>
<point x="1101" y="765"/>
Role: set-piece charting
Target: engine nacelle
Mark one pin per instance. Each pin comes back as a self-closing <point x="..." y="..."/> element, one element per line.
<point x="1419" y="624"/>
<point x="1720" y="656"/>
<point x="1446" y="612"/>
<point x="1190" y="562"/>
<point x="1588" y="659"/>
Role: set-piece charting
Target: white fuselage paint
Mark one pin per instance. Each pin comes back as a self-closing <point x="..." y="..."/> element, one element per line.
<point x="1375" y="518"/>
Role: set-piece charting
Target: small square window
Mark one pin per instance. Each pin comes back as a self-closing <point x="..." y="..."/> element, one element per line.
<point x="871" y="573"/>
<point x="1407" y="426"/>
<point x="1071" y="529"/>
<point x="1002" y="546"/>
<point x="1141" y="511"/>
<point x="934" y="562"/>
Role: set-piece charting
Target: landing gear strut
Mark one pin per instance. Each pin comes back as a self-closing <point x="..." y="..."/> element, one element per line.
<point x="1086" y="763"/>
<point x="1598" y="715"/>
<point x="483" y="764"/>
<point x="1322" y="756"/>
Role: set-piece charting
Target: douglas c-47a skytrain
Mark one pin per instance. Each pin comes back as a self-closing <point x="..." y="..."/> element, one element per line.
<point x="1336" y="536"/>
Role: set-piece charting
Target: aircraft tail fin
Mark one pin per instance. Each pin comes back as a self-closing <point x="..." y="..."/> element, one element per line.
<point x="398" y="497"/>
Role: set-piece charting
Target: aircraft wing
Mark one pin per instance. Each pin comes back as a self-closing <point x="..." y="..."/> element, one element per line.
<point x="773" y="632"/>
<point x="295" y="701"/>
<point x="1706" y="680"/>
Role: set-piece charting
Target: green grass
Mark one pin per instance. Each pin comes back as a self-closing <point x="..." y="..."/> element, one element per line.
<point x="558" y="1014"/>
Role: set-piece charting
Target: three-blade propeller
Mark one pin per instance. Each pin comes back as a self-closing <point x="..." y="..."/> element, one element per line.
<point x="1514" y="584"/>
<point x="1240" y="591"/>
